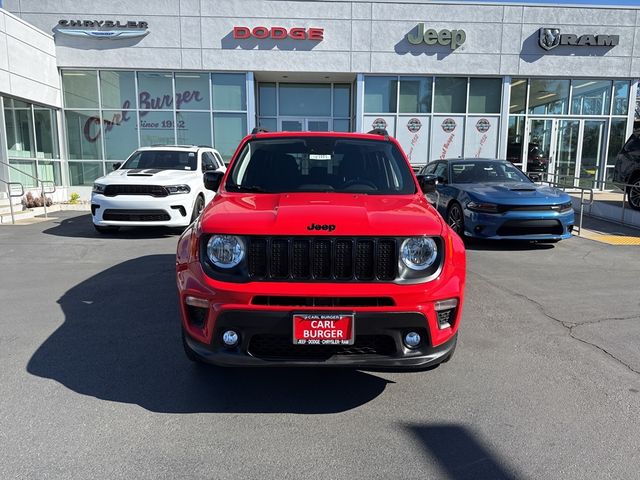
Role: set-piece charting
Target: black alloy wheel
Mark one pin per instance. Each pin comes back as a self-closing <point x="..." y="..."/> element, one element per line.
<point x="455" y="218"/>
<point x="633" y="195"/>
<point x="197" y="208"/>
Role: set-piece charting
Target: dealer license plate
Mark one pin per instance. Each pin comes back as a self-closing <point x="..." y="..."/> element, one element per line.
<point x="323" y="329"/>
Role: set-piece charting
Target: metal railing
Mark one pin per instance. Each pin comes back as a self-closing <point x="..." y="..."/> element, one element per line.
<point x="11" y="195"/>
<point x="42" y="185"/>
<point x="566" y="186"/>
<point x="608" y="186"/>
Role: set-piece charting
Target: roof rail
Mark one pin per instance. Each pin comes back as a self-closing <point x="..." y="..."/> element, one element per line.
<point x="379" y="131"/>
<point x="259" y="130"/>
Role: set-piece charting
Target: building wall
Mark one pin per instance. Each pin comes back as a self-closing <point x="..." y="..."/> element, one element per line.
<point x="27" y="62"/>
<point x="367" y="37"/>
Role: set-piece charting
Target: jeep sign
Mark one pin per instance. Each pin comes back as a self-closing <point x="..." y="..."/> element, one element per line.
<point x="451" y="38"/>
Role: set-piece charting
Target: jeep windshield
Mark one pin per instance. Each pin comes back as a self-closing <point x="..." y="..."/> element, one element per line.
<point x="162" y="160"/>
<point x="321" y="164"/>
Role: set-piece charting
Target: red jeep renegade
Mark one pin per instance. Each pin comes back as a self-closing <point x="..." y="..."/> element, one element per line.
<point x="320" y="249"/>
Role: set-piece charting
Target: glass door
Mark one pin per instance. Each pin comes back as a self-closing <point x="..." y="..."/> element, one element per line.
<point x="592" y="152"/>
<point x="564" y="162"/>
<point x="288" y="124"/>
<point x="291" y="125"/>
<point x="539" y="151"/>
<point x="318" y="124"/>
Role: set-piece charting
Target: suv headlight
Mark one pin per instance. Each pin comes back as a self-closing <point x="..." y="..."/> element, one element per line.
<point x="419" y="253"/>
<point x="98" y="188"/>
<point x="225" y="251"/>
<point x="175" y="189"/>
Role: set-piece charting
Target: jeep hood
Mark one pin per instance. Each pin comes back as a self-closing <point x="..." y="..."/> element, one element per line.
<point x="293" y="213"/>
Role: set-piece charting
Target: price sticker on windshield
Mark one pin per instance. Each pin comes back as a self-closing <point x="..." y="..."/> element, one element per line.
<point x="314" y="156"/>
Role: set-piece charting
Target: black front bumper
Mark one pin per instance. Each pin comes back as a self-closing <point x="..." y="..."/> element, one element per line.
<point x="266" y="340"/>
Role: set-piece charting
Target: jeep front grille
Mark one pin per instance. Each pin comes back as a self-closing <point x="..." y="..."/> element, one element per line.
<point x="322" y="259"/>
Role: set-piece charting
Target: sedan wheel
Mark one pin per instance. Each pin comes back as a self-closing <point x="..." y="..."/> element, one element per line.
<point x="455" y="219"/>
<point x="633" y="196"/>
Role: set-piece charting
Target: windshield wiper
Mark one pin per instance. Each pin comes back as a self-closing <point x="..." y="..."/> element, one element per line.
<point x="247" y="188"/>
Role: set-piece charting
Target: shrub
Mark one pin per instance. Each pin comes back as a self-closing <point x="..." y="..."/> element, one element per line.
<point x="29" y="201"/>
<point x="75" y="198"/>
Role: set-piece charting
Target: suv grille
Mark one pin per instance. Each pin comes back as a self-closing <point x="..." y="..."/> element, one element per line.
<point x="323" y="259"/>
<point x="136" y="215"/>
<point x="153" y="190"/>
<point x="281" y="347"/>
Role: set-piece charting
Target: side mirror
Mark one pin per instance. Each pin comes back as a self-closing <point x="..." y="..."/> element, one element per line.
<point x="427" y="182"/>
<point x="212" y="180"/>
<point x="117" y="165"/>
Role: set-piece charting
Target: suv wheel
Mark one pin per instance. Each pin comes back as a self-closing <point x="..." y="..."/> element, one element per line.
<point x="197" y="208"/>
<point x="633" y="195"/>
<point x="105" y="230"/>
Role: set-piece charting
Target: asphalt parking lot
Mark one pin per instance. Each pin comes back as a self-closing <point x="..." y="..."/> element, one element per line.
<point x="545" y="382"/>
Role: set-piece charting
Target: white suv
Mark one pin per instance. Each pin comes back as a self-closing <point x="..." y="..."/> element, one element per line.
<point x="155" y="186"/>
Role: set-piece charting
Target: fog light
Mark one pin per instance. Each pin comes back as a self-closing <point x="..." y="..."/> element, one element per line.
<point x="412" y="339"/>
<point x="230" y="338"/>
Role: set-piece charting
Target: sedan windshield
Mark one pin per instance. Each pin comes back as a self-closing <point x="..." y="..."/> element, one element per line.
<point x="321" y="164"/>
<point x="162" y="160"/>
<point x="470" y="171"/>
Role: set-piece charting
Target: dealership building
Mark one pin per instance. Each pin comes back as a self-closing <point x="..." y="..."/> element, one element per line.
<point x="84" y="83"/>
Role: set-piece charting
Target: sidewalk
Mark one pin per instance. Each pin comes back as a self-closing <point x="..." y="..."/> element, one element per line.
<point x="609" y="232"/>
<point x="608" y="206"/>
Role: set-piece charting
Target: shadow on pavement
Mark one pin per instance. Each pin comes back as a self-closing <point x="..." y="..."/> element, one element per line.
<point x="81" y="226"/>
<point x="121" y="342"/>
<point x="460" y="455"/>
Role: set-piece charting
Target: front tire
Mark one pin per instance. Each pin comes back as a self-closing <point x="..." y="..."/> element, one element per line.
<point x="633" y="195"/>
<point x="106" y="230"/>
<point x="455" y="218"/>
<point x="197" y="208"/>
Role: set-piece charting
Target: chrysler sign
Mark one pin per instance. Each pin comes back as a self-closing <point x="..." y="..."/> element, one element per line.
<point x="551" y="37"/>
<point x="102" y="28"/>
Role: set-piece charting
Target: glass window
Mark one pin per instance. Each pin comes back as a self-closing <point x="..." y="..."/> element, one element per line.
<point x="305" y="99"/>
<point x="591" y="97"/>
<point x="548" y="97"/>
<point x="450" y="95"/>
<point x="120" y="134"/>
<point x="485" y="95"/>
<point x="620" y="98"/>
<point x="18" y="124"/>
<point x="84" y="173"/>
<point x="49" y="171"/>
<point x="228" y="130"/>
<point x="46" y="133"/>
<point x="155" y="90"/>
<point x="380" y="94"/>
<point x="117" y="90"/>
<point x="192" y="91"/>
<point x="341" y="100"/>
<point x="229" y="91"/>
<point x="518" y="95"/>
<point x="267" y="99"/>
<point x="209" y="162"/>
<point x="80" y="88"/>
<point x="23" y="172"/>
<point x="194" y="128"/>
<point x="341" y="125"/>
<point x="616" y="138"/>
<point x="156" y="128"/>
<point x="83" y="134"/>
<point x="415" y="94"/>
<point x="515" y="137"/>
<point x="269" y="124"/>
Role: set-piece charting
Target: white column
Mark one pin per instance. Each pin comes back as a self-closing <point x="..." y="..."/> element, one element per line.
<point x="4" y="153"/>
<point x="251" y="102"/>
<point x="633" y="93"/>
<point x="504" y="117"/>
<point x="359" y="93"/>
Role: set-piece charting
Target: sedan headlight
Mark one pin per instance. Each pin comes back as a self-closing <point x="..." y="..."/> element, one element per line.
<point x="175" y="189"/>
<point x="225" y="251"/>
<point x="483" y="207"/>
<point x="566" y="207"/>
<point x="98" y="188"/>
<point x="419" y="253"/>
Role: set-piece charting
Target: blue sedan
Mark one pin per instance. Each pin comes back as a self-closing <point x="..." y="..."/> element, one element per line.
<point x="493" y="199"/>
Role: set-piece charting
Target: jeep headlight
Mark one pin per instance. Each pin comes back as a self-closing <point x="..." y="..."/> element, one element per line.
<point x="419" y="253"/>
<point x="225" y="251"/>
<point x="98" y="188"/>
<point x="175" y="189"/>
